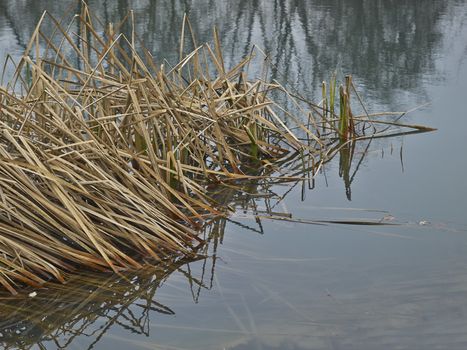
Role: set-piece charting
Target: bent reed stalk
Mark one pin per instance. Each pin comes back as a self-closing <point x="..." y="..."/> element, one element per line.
<point x="107" y="159"/>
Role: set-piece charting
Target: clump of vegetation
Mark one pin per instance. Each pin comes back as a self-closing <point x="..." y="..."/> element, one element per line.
<point x="107" y="159"/>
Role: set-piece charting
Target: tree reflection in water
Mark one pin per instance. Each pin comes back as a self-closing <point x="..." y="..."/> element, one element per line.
<point x="378" y="42"/>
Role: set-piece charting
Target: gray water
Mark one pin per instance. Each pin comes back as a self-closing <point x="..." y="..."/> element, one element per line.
<point x="298" y="286"/>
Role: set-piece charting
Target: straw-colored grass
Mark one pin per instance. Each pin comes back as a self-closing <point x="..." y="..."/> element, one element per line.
<point x="107" y="159"/>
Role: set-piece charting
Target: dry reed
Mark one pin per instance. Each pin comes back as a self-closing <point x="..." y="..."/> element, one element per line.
<point x="107" y="159"/>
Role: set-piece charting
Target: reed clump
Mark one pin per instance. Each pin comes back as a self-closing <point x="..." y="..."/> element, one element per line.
<point x="107" y="159"/>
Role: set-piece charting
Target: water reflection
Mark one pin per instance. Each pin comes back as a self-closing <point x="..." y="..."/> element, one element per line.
<point x="386" y="45"/>
<point x="87" y="306"/>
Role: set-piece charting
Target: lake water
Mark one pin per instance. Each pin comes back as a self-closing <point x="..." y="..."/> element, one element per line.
<point x="298" y="286"/>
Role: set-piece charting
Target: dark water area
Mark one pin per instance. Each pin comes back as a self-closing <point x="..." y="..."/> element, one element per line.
<point x="282" y="284"/>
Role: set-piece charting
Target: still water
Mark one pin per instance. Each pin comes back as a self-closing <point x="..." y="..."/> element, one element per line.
<point x="284" y="285"/>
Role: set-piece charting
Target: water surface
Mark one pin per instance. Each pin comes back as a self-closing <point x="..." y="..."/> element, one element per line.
<point x="296" y="286"/>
